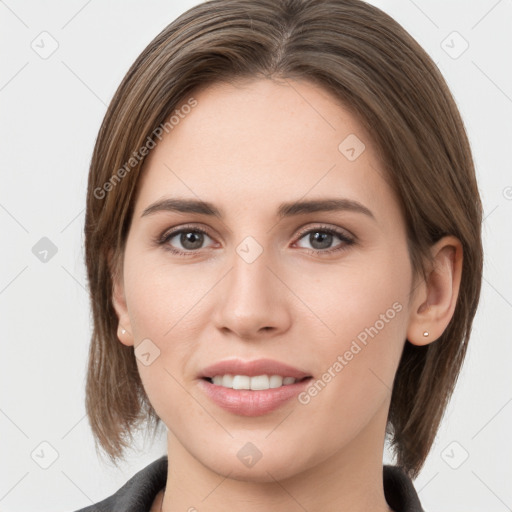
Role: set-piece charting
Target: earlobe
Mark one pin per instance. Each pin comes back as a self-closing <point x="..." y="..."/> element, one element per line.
<point x="124" y="331"/>
<point x="124" y="336"/>
<point x="434" y="304"/>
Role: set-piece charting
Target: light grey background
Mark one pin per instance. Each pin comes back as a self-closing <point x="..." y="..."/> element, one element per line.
<point x="51" y="110"/>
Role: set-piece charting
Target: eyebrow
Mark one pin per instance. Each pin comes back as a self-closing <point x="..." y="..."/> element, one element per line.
<point x="288" y="209"/>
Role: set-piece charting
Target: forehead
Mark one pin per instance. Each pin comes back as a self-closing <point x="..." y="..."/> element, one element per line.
<point x="258" y="142"/>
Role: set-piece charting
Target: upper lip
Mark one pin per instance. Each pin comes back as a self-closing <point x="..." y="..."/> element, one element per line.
<point x="252" y="369"/>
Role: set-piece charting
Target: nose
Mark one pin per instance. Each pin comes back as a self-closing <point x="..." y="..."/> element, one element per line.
<point x="253" y="302"/>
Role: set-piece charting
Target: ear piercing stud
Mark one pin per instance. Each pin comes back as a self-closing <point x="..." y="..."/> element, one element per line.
<point x="425" y="333"/>
<point x="123" y="331"/>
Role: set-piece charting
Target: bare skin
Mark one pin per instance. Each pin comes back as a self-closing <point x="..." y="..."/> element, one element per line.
<point x="247" y="149"/>
<point x="158" y="502"/>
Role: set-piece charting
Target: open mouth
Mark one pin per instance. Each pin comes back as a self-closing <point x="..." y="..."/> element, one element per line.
<point x="254" y="383"/>
<point x="252" y="388"/>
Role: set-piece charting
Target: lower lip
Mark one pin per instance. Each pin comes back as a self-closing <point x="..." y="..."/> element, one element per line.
<point x="245" y="402"/>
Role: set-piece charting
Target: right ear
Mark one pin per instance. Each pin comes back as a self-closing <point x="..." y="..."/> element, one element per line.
<point x="124" y="329"/>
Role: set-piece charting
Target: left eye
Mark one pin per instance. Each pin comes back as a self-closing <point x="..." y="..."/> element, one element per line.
<point x="321" y="239"/>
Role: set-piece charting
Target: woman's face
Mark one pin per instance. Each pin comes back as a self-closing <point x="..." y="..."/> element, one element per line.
<point x="271" y="278"/>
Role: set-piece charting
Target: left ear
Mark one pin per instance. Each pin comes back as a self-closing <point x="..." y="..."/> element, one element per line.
<point x="435" y="299"/>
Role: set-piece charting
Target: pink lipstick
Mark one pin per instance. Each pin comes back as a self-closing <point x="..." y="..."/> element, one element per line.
<point x="252" y="388"/>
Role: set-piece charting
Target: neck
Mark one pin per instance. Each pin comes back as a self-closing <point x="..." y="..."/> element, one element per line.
<point x="349" y="479"/>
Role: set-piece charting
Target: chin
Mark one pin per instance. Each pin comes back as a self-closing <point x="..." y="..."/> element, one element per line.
<point x="244" y="462"/>
<point x="261" y="472"/>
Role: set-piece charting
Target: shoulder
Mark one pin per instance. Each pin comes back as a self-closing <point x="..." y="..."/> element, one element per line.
<point x="399" y="490"/>
<point x="138" y="494"/>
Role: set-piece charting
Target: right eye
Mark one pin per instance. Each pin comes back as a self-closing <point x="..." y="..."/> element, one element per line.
<point x="191" y="239"/>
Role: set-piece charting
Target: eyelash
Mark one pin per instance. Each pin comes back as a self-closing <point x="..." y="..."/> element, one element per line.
<point x="163" y="240"/>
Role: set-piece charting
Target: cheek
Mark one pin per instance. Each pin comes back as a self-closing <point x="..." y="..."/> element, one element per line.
<point x="364" y="311"/>
<point x="160" y="296"/>
<point x="164" y="304"/>
<point x="356" y="296"/>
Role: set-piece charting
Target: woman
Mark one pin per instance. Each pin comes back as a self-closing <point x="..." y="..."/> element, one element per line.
<point x="284" y="259"/>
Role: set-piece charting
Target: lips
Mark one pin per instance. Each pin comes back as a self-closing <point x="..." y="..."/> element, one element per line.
<point x="252" y="402"/>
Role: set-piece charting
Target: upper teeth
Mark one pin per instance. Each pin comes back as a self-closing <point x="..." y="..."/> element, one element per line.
<point x="255" y="383"/>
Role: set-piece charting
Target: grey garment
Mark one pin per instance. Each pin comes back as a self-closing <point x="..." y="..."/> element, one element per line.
<point x="138" y="494"/>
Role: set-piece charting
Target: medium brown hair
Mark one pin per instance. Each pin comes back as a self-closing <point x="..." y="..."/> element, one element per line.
<point x="369" y="63"/>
